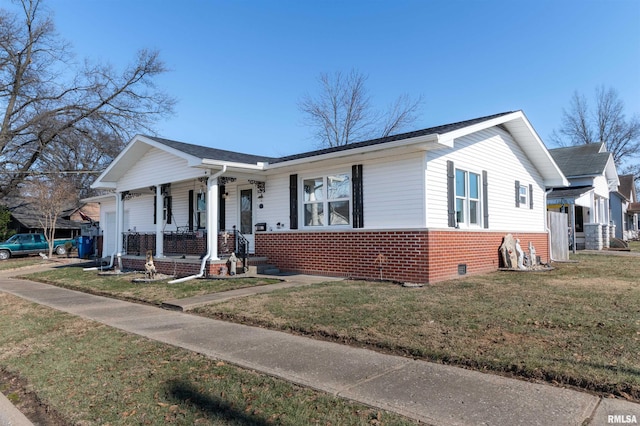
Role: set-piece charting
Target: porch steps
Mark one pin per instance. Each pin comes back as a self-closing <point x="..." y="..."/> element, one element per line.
<point x="265" y="269"/>
<point x="260" y="265"/>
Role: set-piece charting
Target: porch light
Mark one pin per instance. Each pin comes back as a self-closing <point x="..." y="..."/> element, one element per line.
<point x="260" y="186"/>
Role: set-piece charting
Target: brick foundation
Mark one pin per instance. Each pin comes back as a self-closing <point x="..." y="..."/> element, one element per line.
<point x="179" y="267"/>
<point x="414" y="256"/>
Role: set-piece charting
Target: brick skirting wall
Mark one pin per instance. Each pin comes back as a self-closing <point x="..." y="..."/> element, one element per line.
<point x="164" y="266"/>
<point x="413" y="256"/>
<point x="178" y="267"/>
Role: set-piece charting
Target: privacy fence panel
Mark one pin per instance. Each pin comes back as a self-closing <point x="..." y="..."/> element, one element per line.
<point x="559" y="227"/>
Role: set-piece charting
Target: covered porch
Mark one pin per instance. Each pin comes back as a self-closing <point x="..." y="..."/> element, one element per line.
<point x="199" y="222"/>
<point x="184" y="251"/>
<point x="184" y="204"/>
<point x="589" y="226"/>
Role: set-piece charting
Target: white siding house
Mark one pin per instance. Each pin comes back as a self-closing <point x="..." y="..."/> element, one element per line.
<point x="592" y="174"/>
<point x="335" y="211"/>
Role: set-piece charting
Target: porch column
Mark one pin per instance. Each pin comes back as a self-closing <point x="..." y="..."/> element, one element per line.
<point x="119" y="223"/>
<point x="159" y="222"/>
<point x="212" y="217"/>
<point x="573" y="227"/>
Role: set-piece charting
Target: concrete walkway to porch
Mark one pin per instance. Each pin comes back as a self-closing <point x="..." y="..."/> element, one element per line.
<point x="288" y="281"/>
<point x="431" y="393"/>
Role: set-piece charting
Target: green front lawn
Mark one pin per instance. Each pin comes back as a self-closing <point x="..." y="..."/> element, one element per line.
<point x="576" y="325"/>
<point x="122" y="286"/>
<point x="91" y="374"/>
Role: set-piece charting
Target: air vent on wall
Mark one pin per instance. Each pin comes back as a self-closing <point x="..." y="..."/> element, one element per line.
<point x="462" y="269"/>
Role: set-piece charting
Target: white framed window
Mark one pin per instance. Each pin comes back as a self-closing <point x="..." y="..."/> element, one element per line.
<point x="467" y="191"/>
<point x="201" y="210"/>
<point x="523" y="194"/>
<point x="327" y="200"/>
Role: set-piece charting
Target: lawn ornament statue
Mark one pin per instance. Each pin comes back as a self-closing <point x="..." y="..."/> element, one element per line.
<point x="233" y="263"/>
<point x="150" y="268"/>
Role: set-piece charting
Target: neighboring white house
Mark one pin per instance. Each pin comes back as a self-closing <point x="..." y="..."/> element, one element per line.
<point x="421" y="206"/>
<point x="593" y="176"/>
<point x="624" y="210"/>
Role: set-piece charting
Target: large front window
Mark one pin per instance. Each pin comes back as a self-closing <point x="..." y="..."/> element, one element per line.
<point x="327" y="200"/>
<point x="467" y="198"/>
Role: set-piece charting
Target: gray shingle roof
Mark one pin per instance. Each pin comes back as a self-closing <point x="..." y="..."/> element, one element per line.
<point x="212" y="153"/>
<point x="569" y="193"/>
<point x="224" y="155"/>
<point x="29" y="216"/>
<point x="429" y="131"/>
<point x="627" y="186"/>
<point x="581" y="160"/>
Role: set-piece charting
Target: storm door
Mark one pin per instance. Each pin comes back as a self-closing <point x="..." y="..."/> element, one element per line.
<point x="246" y="209"/>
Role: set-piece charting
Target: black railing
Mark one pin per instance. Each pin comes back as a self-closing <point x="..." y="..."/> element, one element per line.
<point x="187" y="243"/>
<point x="242" y="248"/>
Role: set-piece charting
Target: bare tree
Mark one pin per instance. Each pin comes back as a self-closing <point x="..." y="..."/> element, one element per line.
<point x="607" y="123"/>
<point x="49" y="196"/>
<point x="342" y="112"/>
<point x="50" y="107"/>
<point x="5" y="219"/>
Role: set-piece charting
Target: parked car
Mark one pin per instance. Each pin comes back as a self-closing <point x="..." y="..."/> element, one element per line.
<point x="25" y="244"/>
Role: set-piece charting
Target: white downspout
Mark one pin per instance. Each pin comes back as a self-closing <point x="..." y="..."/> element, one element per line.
<point x="212" y="234"/>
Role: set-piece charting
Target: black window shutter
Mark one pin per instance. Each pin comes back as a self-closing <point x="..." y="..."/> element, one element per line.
<point x="293" y="201"/>
<point x="531" y="197"/>
<point x="155" y="209"/>
<point x="168" y="204"/>
<point x="517" y="193"/>
<point x="485" y="199"/>
<point x="358" y="205"/>
<point x="451" y="198"/>
<point x="222" y="203"/>
<point x="191" y="209"/>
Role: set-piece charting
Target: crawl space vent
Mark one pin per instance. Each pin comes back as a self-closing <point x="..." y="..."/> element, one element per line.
<point x="462" y="269"/>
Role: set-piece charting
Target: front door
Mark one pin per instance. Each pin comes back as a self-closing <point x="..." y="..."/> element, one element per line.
<point x="246" y="215"/>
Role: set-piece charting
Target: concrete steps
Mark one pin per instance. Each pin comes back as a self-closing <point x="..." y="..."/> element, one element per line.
<point x="266" y="269"/>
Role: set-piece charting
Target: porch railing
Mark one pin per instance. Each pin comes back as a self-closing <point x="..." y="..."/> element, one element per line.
<point x="185" y="243"/>
<point x="242" y="247"/>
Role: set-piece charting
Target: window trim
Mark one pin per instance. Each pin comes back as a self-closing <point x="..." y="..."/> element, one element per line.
<point x="523" y="203"/>
<point x="466" y="199"/>
<point x="326" y="201"/>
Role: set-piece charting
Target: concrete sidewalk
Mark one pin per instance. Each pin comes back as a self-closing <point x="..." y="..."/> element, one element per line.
<point x="432" y="393"/>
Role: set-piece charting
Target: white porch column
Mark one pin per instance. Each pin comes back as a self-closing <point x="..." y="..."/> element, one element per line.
<point x="119" y="223"/>
<point x="159" y="222"/>
<point x="212" y="217"/>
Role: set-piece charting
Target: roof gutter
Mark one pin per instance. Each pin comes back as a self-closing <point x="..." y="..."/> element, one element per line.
<point x="210" y="239"/>
<point x="210" y="162"/>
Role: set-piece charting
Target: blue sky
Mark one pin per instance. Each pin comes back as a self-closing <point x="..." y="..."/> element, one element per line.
<point x="239" y="68"/>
